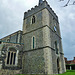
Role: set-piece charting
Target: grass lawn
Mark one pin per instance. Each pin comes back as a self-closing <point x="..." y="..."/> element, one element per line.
<point x="69" y="72"/>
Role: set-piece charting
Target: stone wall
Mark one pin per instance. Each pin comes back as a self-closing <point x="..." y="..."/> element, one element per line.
<point x="4" y="54"/>
<point x="63" y="63"/>
<point x="33" y="62"/>
<point x="27" y="40"/>
<point x="10" y="72"/>
<point x="48" y="60"/>
<point x="54" y="62"/>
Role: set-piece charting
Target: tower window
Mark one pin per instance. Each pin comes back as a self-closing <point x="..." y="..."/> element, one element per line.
<point x="56" y="47"/>
<point x="33" y="42"/>
<point x="33" y="19"/>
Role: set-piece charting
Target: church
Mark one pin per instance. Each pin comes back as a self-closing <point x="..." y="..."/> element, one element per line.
<point x="37" y="49"/>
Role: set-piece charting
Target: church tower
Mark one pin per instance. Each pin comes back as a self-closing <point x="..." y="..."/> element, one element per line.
<point x="42" y="52"/>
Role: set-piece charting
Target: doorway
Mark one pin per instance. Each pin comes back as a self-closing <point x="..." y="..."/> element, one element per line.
<point x="58" y="67"/>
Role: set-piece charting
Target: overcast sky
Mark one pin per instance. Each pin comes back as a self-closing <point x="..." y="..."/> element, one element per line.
<point x="11" y="20"/>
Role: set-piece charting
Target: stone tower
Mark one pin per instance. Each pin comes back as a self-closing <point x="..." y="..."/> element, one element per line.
<point x="42" y="52"/>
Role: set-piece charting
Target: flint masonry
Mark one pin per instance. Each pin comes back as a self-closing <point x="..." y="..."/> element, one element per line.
<point x="37" y="49"/>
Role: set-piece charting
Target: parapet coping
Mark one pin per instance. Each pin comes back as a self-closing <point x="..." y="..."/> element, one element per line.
<point x="40" y="7"/>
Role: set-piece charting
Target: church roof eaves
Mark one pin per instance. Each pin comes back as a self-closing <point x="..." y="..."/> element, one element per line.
<point x="13" y="42"/>
<point x="11" y="34"/>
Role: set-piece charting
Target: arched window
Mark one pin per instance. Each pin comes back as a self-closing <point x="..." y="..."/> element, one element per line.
<point x="56" y="48"/>
<point x="11" y="56"/>
<point x="33" y="19"/>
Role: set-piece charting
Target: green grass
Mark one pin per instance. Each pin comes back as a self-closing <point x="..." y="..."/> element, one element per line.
<point x="69" y="72"/>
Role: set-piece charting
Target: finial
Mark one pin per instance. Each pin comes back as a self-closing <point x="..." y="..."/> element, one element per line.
<point x="40" y="2"/>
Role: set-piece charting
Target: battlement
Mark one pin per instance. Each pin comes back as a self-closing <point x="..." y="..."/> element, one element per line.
<point x="38" y="8"/>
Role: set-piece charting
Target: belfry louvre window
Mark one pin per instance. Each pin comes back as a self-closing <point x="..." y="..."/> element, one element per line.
<point x="11" y="57"/>
<point x="33" y="19"/>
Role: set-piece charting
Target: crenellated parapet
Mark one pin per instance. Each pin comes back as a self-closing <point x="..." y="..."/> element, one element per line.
<point x="39" y="8"/>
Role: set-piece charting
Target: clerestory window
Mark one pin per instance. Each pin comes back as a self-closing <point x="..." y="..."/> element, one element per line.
<point x="11" y="56"/>
<point x="8" y="40"/>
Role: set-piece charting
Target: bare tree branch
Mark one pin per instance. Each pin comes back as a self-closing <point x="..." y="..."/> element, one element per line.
<point x="66" y="3"/>
<point x="61" y="0"/>
<point x="74" y="3"/>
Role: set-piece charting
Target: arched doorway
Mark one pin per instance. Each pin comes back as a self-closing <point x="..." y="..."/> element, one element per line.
<point x="58" y="67"/>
